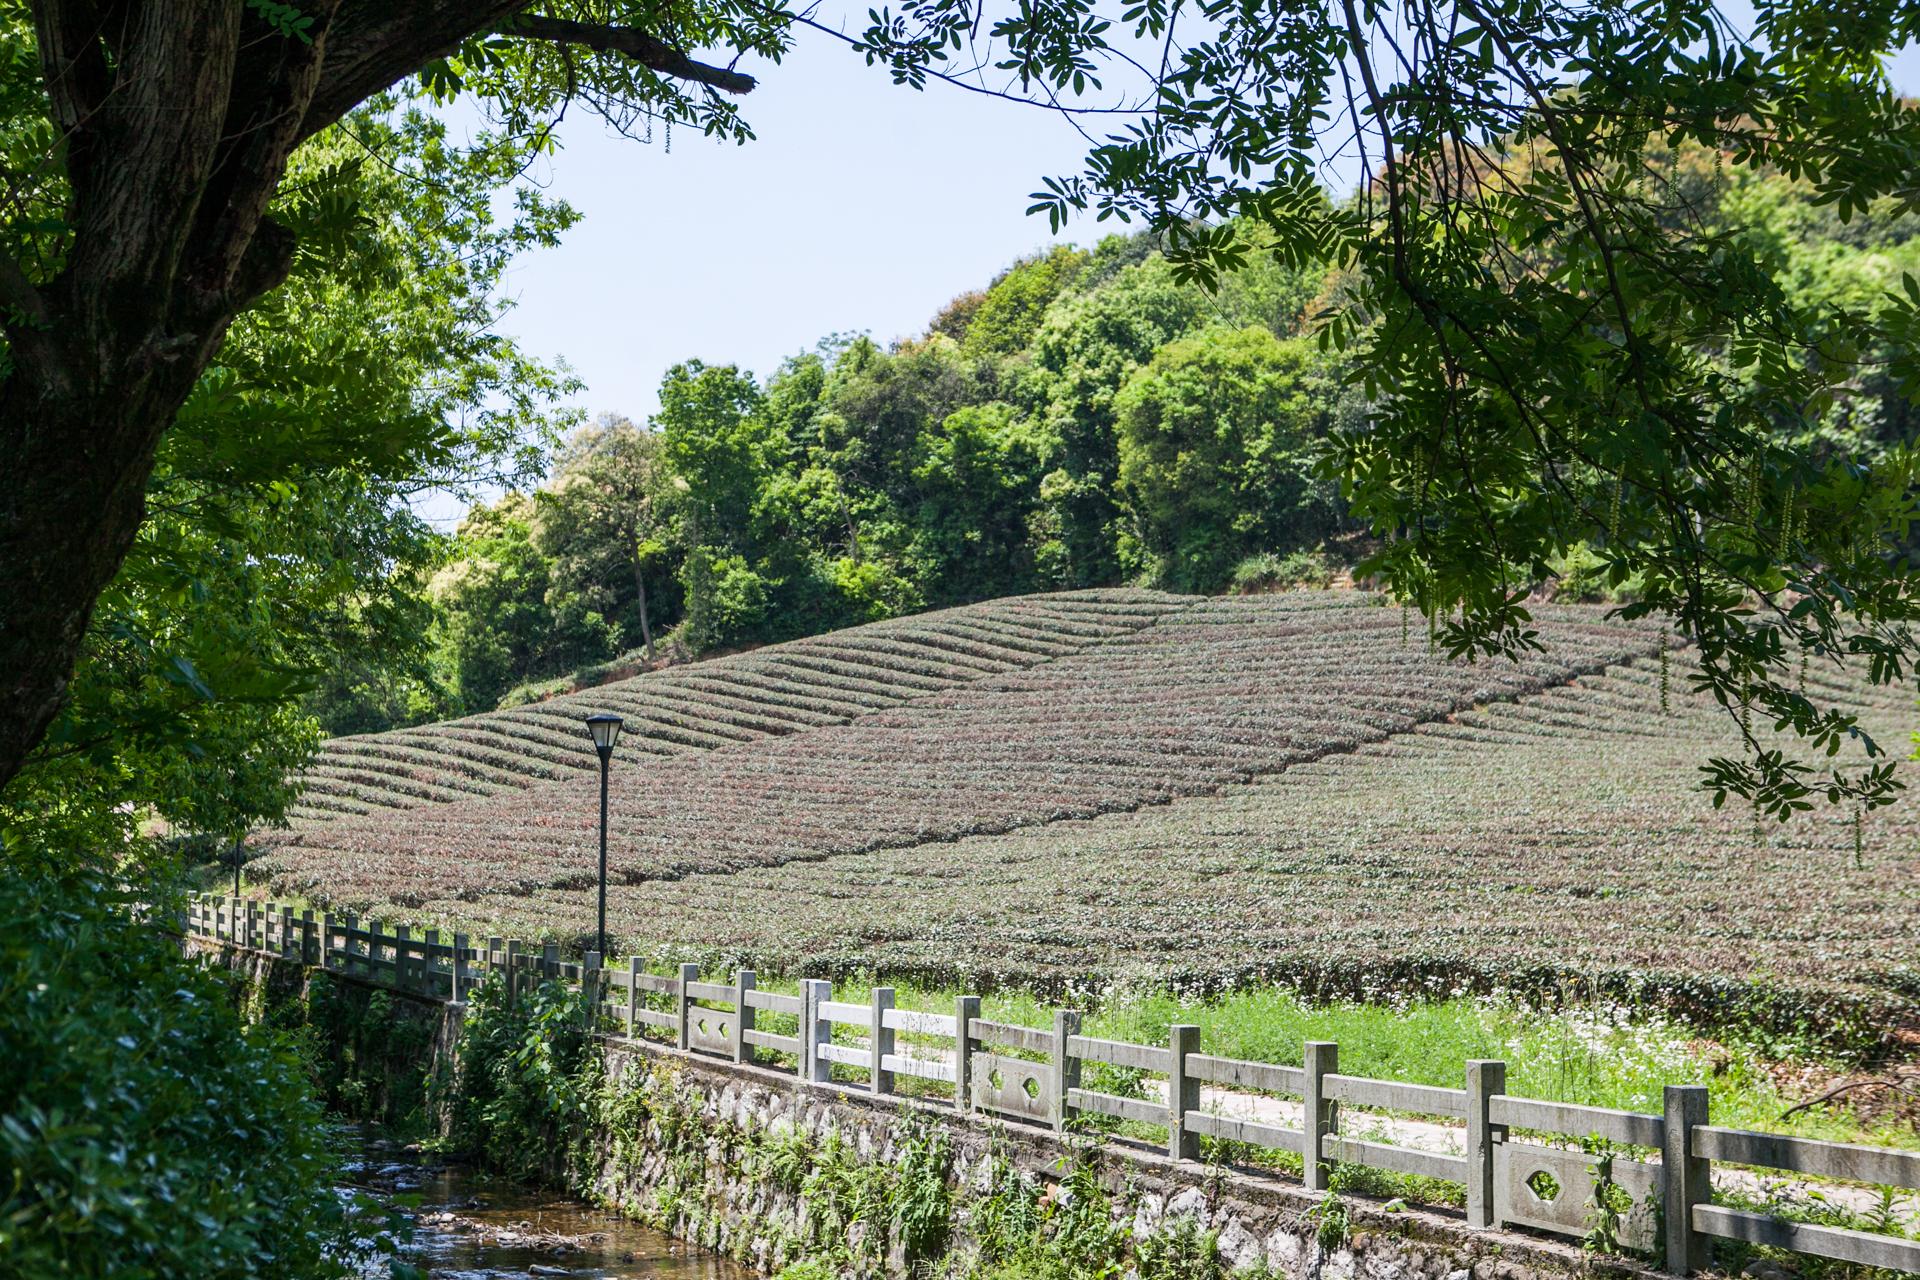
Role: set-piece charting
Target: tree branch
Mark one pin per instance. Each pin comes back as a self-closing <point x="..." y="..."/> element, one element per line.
<point x="648" y="51"/>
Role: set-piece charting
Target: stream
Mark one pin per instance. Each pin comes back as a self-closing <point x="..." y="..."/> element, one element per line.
<point x="466" y="1226"/>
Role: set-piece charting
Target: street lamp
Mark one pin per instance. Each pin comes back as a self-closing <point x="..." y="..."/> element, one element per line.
<point x="605" y="729"/>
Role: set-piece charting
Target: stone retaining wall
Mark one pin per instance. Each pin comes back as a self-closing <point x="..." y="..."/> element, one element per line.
<point x="703" y="1160"/>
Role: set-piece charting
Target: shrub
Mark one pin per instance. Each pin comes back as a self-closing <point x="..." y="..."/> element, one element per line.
<point x="525" y="1080"/>
<point x="150" y="1131"/>
<point x="1270" y="572"/>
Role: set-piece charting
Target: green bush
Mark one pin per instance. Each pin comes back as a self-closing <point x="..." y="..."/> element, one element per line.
<point x="526" y="1077"/>
<point x="148" y="1129"/>
<point x="1268" y="571"/>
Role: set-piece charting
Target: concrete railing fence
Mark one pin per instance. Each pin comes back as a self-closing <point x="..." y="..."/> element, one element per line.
<point x="1518" y="1158"/>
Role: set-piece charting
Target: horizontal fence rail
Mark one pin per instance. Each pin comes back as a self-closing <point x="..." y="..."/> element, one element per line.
<point x="1501" y="1145"/>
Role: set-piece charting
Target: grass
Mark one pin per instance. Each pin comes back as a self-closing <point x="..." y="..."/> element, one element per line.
<point x="1593" y="1056"/>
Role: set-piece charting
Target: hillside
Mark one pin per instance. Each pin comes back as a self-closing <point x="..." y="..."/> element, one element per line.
<point x="782" y="689"/>
<point x="1217" y="791"/>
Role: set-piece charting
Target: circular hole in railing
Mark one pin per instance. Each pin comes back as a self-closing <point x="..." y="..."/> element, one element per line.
<point x="1545" y="1187"/>
<point x="995" y="1079"/>
<point x="1032" y="1086"/>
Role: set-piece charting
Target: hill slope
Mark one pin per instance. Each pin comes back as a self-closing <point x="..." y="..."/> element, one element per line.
<point x="1275" y="787"/>
<point x="781" y="689"/>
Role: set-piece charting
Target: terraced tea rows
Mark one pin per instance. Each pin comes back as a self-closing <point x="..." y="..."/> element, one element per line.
<point x="1212" y="695"/>
<point x="1556" y="840"/>
<point x="1340" y="812"/>
<point x="769" y="692"/>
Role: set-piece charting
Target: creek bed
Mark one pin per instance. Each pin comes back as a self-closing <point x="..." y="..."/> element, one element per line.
<point x="466" y="1226"/>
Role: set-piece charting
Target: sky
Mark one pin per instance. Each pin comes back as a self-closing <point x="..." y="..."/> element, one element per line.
<point x="861" y="206"/>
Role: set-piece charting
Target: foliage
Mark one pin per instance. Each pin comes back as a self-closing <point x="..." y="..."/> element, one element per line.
<point x="149" y="1129"/>
<point x="1215" y="462"/>
<point x="525" y="1080"/>
<point x="1008" y="315"/>
<point x="369" y="1058"/>
<point x="1562" y="344"/>
<point x="1269" y="572"/>
<point x="277" y="578"/>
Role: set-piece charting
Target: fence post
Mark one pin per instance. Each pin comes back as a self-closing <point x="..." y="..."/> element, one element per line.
<point x="495" y="947"/>
<point x="1688" y="1178"/>
<point x="461" y="945"/>
<point x="403" y="955"/>
<point x="683" y="1006"/>
<point x="549" y="961"/>
<point x="1485" y="1077"/>
<point x="286" y="933"/>
<point x="375" y="945"/>
<point x="965" y="1010"/>
<point x="814" y="1029"/>
<point x="429" y="970"/>
<point x="1319" y="1116"/>
<point x="513" y="971"/>
<point x="309" y="953"/>
<point x="880" y="1040"/>
<point x="633" y="996"/>
<point x="1183" y="1092"/>
<point x="250" y="910"/>
<point x="743" y="981"/>
<point x="590" y="990"/>
<point x="1066" y="1067"/>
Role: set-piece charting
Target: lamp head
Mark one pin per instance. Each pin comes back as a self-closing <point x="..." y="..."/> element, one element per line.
<point x="605" y="729"/>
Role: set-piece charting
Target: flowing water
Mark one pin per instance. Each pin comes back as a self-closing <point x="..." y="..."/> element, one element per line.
<point x="465" y="1226"/>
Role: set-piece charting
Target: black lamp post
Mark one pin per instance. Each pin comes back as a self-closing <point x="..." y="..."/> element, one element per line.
<point x="605" y="729"/>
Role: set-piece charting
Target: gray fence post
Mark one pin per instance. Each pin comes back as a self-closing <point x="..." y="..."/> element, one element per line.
<point x="1688" y="1178"/>
<point x="1318" y="1116"/>
<point x="495" y="947"/>
<point x="965" y="1010"/>
<point x="814" y="1029"/>
<point x="633" y="996"/>
<point x="402" y="956"/>
<point x="286" y="933"/>
<point x="461" y="946"/>
<point x="326" y="940"/>
<point x="513" y="971"/>
<point x="549" y="961"/>
<point x="1183" y="1092"/>
<point x="743" y="980"/>
<point x="1485" y="1077"/>
<point x="590" y="991"/>
<point x="880" y="1040"/>
<point x="683" y="1005"/>
<point x="1066" y="1067"/>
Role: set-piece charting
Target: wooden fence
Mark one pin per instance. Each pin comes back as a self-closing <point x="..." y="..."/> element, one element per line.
<point x="1518" y="1158"/>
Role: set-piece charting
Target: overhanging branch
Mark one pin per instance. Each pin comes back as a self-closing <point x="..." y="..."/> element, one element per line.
<point x="647" y="50"/>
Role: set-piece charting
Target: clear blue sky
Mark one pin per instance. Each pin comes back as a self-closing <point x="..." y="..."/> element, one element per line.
<point x="862" y="206"/>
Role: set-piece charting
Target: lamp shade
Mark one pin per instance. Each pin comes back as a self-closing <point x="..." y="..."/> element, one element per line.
<point x="605" y="729"/>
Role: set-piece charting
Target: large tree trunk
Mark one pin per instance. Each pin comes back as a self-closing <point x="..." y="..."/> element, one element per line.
<point x="177" y="121"/>
<point x="72" y="495"/>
